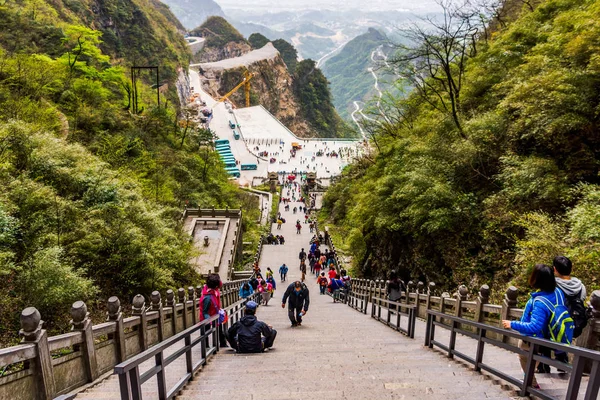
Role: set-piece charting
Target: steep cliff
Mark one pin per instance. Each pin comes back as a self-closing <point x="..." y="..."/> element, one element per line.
<point x="272" y="85"/>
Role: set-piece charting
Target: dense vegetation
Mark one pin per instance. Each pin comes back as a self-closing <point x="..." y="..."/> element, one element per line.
<point x="474" y="183"/>
<point x="257" y="40"/>
<point x="312" y="90"/>
<point x="218" y="32"/>
<point x="287" y="51"/>
<point x="92" y="194"/>
<point x="347" y="71"/>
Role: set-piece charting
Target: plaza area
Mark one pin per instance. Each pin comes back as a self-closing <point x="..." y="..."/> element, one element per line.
<point x="266" y="142"/>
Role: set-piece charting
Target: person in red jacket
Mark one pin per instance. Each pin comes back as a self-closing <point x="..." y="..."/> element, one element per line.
<point x="210" y="303"/>
<point x="332" y="273"/>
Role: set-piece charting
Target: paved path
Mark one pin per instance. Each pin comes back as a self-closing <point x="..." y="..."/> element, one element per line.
<point x="338" y="353"/>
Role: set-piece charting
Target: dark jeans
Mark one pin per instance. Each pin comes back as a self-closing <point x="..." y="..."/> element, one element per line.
<point x="283" y="277"/>
<point x="294" y="315"/>
<point x="322" y="288"/>
<point x="268" y="341"/>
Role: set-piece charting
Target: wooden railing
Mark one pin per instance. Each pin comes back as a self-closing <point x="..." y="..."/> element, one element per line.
<point x="203" y="335"/>
<point x="486" y="334"/>
<point x="478" y="309"/>
<point x="43" y="367"/>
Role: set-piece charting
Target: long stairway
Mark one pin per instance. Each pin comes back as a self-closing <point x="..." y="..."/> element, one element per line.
<point x="337" y="353"/>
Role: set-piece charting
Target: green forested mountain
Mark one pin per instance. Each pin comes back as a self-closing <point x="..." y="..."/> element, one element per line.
<point x="312" y="90"/>
<point x="347" y="71"/>
<point x="92" y="193"/>
<point x="474" y="183"/>
<point x="218" y="32"/>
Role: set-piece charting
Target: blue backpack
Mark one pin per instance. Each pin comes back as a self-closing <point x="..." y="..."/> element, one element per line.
<point x="560" y="325"/>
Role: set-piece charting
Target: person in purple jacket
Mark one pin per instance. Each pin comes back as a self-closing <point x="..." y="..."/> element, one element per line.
<point x="536" y="315"/>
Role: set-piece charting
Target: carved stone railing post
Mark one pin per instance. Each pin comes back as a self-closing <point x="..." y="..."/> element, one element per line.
<point x="156" y="305"/>
<point x="483" y="298"/>
<point x="115" y="315"/>
<point x="170" y="303"/>
<point x="461" y="296"/>
<point x="193" y="299"/>
<point x="510" y="301"/>
<point x="181" y="301"/>
<point x="420" y="287"/>
<point x="443" y="298"/>
<point x="81" y="322"/>
<point x="139" y="310"/>
<point x="32" y="332"/>
<point x="589" y="336"/>
<point x="409" y="288"/>
<point x="430" y="291"/>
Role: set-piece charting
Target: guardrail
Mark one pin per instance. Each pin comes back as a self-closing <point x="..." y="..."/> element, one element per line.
<point x="477" y="310"/>
<point x="399" y="310"/>
<point x="43" y="367"/>
<point x="481" y="333"/>
<point x="130" y="378"/>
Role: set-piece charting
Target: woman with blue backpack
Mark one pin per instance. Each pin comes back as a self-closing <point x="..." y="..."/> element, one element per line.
<point x="545" y="307"/>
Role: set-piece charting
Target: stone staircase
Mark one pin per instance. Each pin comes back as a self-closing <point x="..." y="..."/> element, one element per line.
<point x="337" y="353"/>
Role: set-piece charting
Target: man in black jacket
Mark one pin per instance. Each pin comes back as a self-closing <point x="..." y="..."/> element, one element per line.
<point x="297" y="294"/>
<point x="250" y="335"/>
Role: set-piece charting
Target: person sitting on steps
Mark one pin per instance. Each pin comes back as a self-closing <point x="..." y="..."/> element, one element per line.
<point x="249" y="335"/>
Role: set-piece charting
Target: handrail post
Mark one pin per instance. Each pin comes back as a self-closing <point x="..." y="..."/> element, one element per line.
<point x="194" y="297"/>
<point x="428" y="330"/>
<point x="181" y="300"/>
<point x="483" y="298"/>
<point x="171" y="304"/>
<point x="32" y="332"/>
<point x="139" y="309"/>
<point x="157" y="306"/>
<point x="115" y="315"/>
<point x="510" y="301"/>
<point x="480" y="347"/>
<point x="589" y="337"/>
<point x="81" y="322"/>
<point x="161" y="378"/>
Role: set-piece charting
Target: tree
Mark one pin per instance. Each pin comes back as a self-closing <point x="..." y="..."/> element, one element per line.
<point x="205" y="139"/>
<point x="435" y="59"/>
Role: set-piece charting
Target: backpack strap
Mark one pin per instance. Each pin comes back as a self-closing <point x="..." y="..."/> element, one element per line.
<point x="560" y="297"/>
<point x="545" y="302"/>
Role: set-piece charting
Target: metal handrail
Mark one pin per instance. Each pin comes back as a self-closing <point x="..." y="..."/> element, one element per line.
<point x="130" y="378"/>
<point x="357" y="301"/>
<point x="581" y="355"/>
<point x="400" y="309"/>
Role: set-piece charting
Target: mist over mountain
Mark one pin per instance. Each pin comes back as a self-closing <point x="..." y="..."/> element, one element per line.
<point x="193" y="13"/>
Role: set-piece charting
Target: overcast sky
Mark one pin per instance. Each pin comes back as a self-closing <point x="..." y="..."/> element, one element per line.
<point x="379" y="5"/>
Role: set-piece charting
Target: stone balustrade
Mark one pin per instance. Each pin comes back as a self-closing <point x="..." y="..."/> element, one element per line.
<point x="43" y="367"/>
<point x="477" y="309"/>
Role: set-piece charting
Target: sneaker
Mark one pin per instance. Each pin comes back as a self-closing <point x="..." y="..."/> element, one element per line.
<point x="299" y="323"/>
<point x="294" y="325"/>
<point x="536" y="386"/>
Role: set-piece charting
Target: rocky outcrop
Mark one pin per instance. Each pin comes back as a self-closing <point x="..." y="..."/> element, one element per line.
<point x="229" y="50"/>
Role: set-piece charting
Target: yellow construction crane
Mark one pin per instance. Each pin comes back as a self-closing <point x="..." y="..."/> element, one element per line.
<point x="246" y="84"/>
